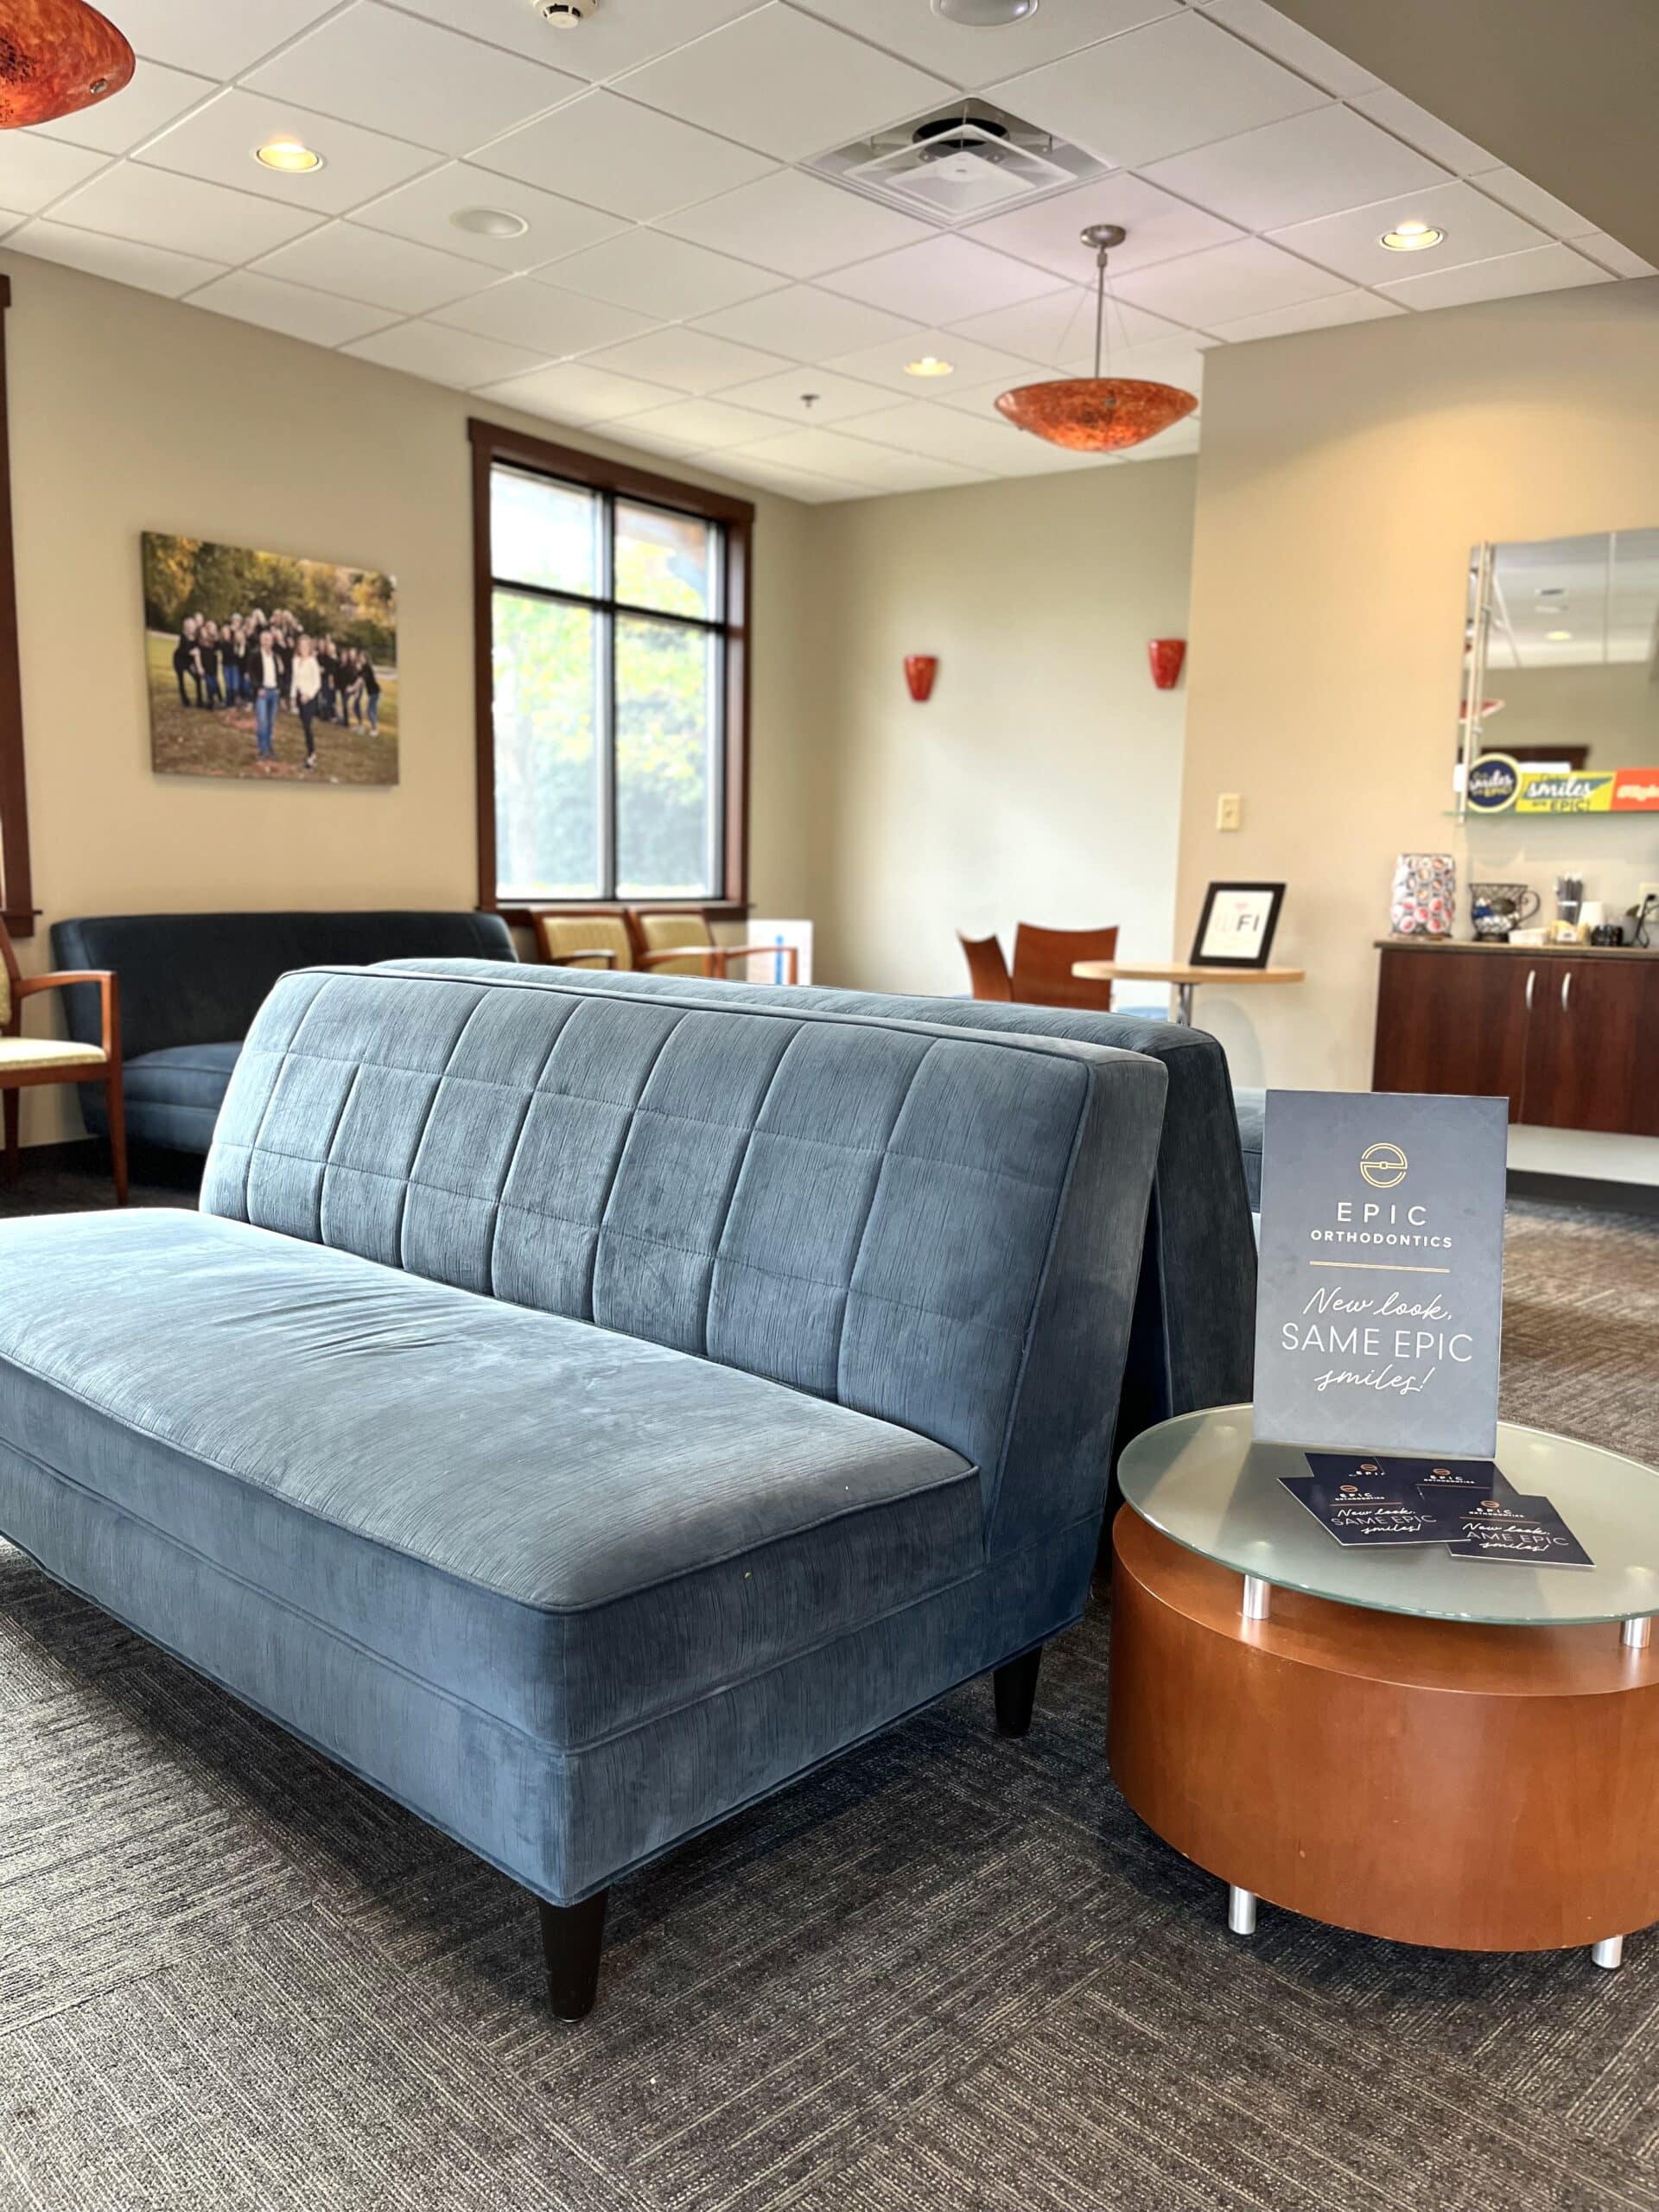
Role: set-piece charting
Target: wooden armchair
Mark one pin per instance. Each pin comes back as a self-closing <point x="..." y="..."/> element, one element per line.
<point x="1042" y="966"/>
<point x="27" y="1061"/>
<point x="583" y="940"/>
<point x="684" y="945"/>
<point x="987" y="967"/>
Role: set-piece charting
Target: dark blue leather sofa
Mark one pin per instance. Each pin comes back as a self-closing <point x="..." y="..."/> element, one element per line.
<point x="191" y="983"/>
<point x="581" y="1408"/>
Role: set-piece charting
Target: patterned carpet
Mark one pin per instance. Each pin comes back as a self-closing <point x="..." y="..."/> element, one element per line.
<point x="951" y="1971"/>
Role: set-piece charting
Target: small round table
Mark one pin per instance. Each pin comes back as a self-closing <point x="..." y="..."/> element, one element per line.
<point x="1462" y="1753"/>
<point x="1182" y="977"/>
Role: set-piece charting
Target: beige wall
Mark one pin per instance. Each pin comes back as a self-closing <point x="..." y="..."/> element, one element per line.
<point x="129" y="412"/>
<point x="1041" y="781"/>
<point x="1344" y="476"/>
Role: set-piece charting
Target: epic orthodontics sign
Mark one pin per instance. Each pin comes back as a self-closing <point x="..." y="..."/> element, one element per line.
<point x="1379" y="1306"/>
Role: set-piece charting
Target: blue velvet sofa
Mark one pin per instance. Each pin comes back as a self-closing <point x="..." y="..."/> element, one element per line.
<point x="582" y="1409"/>
<point x="191" y="983"/>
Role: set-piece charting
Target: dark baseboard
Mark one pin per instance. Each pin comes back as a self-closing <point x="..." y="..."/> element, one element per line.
<point x="1585" y="1190"/>
<point x="89" y="1156"/>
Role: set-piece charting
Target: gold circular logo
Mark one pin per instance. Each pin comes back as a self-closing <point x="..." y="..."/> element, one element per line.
<point x="1382" y="1166"/>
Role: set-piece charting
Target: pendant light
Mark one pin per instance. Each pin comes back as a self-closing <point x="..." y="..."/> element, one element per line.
<point x="57" y="56"/>
<point x="1097" y="414"/>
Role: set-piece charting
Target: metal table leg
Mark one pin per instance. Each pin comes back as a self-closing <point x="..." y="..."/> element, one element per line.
<point x="1240" y="1911"/>
<point x="1258" y="1599"/>
<point x="1638" y="1633"/>
<point x="1184" y="1005"/>
<point x="1609" y="1954"/>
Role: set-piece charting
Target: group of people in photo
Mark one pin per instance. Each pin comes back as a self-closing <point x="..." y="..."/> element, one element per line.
<point x="269" y="663"/>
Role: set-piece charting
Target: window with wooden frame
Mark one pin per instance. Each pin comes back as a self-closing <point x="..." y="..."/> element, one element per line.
<point x="612" y="627"/>
<point x="16" y="894"/>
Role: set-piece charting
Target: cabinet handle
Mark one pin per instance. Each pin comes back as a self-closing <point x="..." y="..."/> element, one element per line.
<point x="1566" y="988"/>
<point x="1532" y="977"/>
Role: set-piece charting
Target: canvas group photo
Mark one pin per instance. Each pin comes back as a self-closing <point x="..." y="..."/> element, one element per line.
<point x="264" y="665"/>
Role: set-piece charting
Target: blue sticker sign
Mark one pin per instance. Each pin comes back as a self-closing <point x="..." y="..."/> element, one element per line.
<point x="1379" y="1306"/>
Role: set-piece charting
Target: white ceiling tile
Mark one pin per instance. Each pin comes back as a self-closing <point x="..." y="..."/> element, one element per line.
<point x="1424" y="131"/>
<point x="122" y="260"/>
<point x="1206" y="289"/>
<point x="296" y="310"/>
<point x="1160" y="226"/>
<point x="1537" y="205"/>
<point x="1034" y="457"/>
<point x="970" y="57"/>
<point x="400" y="73"/>
<point x="385" y="272"/>
<point x="1288" y="172"/>
<point x="884" y="362"/>
<point x="444" y="356"/>
<point x="613" y="153"/>
<point x="1543" y="269"/>
<point x="1476" y="228"/>
<point x="797" y="224"/>
<point x="35" y="171"/>
<point x="1178" y="83"/>
<point x="155" y="97"/>
<point x="217" y="143"/>
<point x="424" y="211"/>
<point x="220" y="38"/>
<point x="546" y="319"/>
<point x="572" y="392"/>
<point x="696" y="425"/>
<point x="942" y="434"/>
<point x="661" y="277"/>
<point x="1617" y="259"/>
<point x="942" y="281"/>
<point x="9" y="221"/>
<point x="824" y="453"/>
<point x="690" y="360"/>
<point x="1310" y="315"/>
<point x="1298" y="50"/>
<point x="789" y="483"/>
<point x="834" y="399"/>
<point x="807" y="325"/>
<point x="181" y="213"/>
<point x="622" y="35"/>
<point x="1060" y="329"/>
<point x="786" y="83"/>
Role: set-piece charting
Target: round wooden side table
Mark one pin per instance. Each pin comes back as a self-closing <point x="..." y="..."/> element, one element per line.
<point x="1452" y="1752"/>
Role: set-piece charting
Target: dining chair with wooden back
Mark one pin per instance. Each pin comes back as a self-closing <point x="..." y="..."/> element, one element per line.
<point x="1043" y="961"/>
<point x="683" y="943"/>
<point x="987" y="967"/>
<point x="28" y="1062"/>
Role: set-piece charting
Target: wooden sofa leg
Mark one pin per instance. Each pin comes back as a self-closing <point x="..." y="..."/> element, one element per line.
<point x="571" y="1937"/>
<point x="1016" y="1693"/>
<point x="118" y="1120"/>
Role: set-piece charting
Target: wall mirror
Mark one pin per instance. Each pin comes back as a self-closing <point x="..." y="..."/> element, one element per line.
<point x="1562" y="653"/>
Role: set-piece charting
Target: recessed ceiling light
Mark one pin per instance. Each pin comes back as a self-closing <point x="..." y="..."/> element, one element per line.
<point x="288" y="156"/>
<point x="985" y="15"/>
<point x="490" y="222"/>
<point x="1557" y="637"/>
<point x="1411" y="238"/>
<point x="930" y="365"/>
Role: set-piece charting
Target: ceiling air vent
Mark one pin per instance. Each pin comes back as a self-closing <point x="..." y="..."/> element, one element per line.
<point x="960" y="164"/>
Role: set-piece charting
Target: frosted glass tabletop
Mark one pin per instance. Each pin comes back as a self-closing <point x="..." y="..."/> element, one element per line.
<point x="1204" y="1481"/>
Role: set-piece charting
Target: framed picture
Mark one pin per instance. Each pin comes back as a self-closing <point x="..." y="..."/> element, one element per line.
<point x="1235" y="928"/>
<point x="261" y="665"/>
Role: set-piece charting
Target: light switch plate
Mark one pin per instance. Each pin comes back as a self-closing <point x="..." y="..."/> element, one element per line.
<point x="1230" y="811"/>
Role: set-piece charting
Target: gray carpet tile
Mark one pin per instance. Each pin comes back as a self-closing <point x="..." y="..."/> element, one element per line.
<point x="948" y="1972"/>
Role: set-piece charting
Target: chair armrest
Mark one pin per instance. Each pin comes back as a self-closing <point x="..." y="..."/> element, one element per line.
<point x="727" y="953"/>
<point x="109" y="984"/>
<point x="706" y="953"/>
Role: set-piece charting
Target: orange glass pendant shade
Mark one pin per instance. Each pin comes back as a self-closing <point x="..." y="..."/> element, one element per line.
<point x="57" y="56"/>
<point x="1094" y="414"/>
<point x="1097" y="414"/>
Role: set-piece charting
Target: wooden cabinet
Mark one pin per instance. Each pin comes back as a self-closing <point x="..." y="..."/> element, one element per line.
<point x="1572" y="1041"/>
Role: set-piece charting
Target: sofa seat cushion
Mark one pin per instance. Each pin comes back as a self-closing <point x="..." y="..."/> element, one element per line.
<point x="571" y="1530"/>
<point x="183" y="1075"/>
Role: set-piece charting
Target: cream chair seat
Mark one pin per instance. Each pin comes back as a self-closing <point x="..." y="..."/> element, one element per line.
<point x="19" y="1053"/>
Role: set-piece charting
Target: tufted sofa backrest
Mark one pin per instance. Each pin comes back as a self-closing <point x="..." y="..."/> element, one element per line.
<point x="940" y="1229"/>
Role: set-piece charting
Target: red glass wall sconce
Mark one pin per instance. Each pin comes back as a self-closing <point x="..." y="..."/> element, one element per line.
<point x="920" y="669"/>
<point x="1167" y="655"/>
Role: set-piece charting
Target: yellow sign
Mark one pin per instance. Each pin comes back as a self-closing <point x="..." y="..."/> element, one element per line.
<point x="1557" y="791"/>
